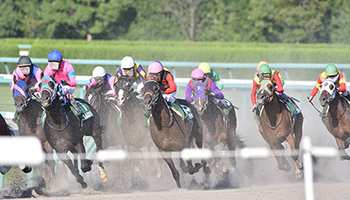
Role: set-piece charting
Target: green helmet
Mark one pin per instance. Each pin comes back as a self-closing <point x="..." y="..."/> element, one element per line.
<point x="264" y="69"/>
<point x="204" y="67"/>
<point x="331" y="70"/>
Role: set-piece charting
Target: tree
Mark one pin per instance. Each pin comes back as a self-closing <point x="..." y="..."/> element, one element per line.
<point x="9" y="19"/>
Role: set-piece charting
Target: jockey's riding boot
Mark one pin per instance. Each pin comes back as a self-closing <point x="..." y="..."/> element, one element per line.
<point x="75" y="106"/>
<point x="348" y="96"/>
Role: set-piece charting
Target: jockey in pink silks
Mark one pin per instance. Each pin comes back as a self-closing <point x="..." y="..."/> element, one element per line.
<point x="61" y="70"/>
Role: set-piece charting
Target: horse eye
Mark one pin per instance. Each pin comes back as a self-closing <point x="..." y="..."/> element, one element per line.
<point x="331" y="87"/>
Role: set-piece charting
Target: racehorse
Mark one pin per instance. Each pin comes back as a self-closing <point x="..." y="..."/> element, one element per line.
<point x="5" y="131"/>
<point x="276" y="126"/>
<point x="29" y="112"/>
<point x="132" y="113"/>
<point x="219" y="128"/>
<point x="337" y="116"/>
<point x="97" y="96"/>
<point x="64" y="131"/>
<point x="170" y="132"/>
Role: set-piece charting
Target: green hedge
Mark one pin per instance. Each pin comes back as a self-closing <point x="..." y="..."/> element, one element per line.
<point x="178" y="51"/>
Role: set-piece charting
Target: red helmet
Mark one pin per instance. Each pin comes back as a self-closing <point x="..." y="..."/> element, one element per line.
<point x="197" y="74"/>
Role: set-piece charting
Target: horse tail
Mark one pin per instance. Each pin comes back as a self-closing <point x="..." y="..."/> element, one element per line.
<point x="9" y="131"/>
<point x="239" y="142"/>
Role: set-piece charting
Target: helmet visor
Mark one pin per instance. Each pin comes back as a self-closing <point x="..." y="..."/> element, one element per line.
<point x="54" y="65"/>
<point x="25" y="70"/>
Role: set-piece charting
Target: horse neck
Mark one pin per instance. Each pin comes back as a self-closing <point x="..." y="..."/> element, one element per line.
<point x="337" y="105"/>
<point x="272" y="106"/>
<point x="31" y="112"/>
<point x="55" y="108"/>
<point x="210" y="110"/>
<point x="161" y="111"/>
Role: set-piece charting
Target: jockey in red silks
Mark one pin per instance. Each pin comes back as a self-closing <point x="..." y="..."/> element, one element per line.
<point x="27" y="69"/>
<point x="99" y="76"/>
<point x="331" y="71"/>
<point x="197" y="76"/>
<point x="133" y="70"/>
<point x="165" y="79"/>
<point x="61" y="70"/>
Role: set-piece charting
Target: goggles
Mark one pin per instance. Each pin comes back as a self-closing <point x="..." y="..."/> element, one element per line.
<point x="54" y="65"/>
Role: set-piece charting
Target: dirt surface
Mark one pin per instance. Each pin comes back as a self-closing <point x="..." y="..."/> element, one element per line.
<point x="251" y="179"/>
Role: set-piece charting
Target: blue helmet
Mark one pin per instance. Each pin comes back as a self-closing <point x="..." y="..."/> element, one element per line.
<point x="55" y="56"/>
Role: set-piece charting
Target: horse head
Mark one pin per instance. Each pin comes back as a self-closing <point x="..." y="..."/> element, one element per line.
<point x="21" y="95"/>
<point x="327" y="90"/>
<point x="266" y="91"/>
<point x="96" y="93"/>
<point x="151" y="93"/>
<point x="200" y="97"/>
<point x="123" y="88"/>
<point x="48" y="91"/>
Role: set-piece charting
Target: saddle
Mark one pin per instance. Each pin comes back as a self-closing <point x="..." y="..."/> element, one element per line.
<point x="183" y="111"/>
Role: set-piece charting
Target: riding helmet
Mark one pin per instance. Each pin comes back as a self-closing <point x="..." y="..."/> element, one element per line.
<point x="331" y="70"/>
<point x="205" y="67"/>
<point x="55" y="56"/>
<point x="24" y="61"/>
<point x="264" y="69"/>
<point x="127" y="62"/>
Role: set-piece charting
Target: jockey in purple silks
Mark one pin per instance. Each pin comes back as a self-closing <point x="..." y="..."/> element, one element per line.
<point x="61" y="70"/>
<point x="133" y="70"/>
<point x="24" y="69"/>
<point x="197" y="76"/>
<point x="99" y="76"/>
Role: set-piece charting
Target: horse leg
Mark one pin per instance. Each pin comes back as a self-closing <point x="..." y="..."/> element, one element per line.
<point x="341" y="148"/>
<point x="85" y="163"/>
<point x="96" y="134"/>
<point x="171" y="165"/>
<point x="295" y="155"/>
<point x="283" y="164"/>
<point x="73" y="168"/>
<point x="153" y="169"/>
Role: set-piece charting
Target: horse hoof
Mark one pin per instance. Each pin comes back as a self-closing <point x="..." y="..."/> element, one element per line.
<point x="207" y="170"/>
<point x="299" y="175"/>
<point x="84" y="185"/>
<point x="104" y="179"/>
<point x="26" y="169"/>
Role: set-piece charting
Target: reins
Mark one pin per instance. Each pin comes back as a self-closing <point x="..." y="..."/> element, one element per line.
<point x="155" y="101"/>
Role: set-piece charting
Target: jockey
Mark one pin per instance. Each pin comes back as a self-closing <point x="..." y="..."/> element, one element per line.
<point x="132" y="70"/>
<point x="166" y="82"/>
<point x="331" y="71"/>
<point x="210" y="73"/>
<point x="197" y="75"/>
<point x="61" y="70"/>
<point x="99" y="77"/>
<point x="256" y="74"/>
<point x="266" y="72"/>
<point x="27" y="69"/>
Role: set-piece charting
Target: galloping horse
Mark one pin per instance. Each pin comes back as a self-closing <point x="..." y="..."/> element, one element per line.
<point x="337" y="116"/>
<point x="29" y="123"/>
<point x="64" y="131"/>
<point x="132" y="119"/>
<point x="276" y="126"/>
<point x="5" y="131"/>
<point x="97" y="96"/>
<point x="218" y="127"/>
<point x="170" y="132"/>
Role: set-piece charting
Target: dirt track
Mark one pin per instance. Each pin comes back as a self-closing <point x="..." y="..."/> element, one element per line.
<point x="262" y="180"/>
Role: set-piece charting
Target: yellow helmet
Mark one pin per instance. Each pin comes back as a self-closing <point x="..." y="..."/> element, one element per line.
<point x="260" y="63"/>
<point x="204" y="67"/>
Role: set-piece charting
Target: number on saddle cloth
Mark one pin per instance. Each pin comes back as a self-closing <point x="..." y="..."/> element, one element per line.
<point x="184" y="111"/>
<point x="294" y="111"/>
<point x="84" y="108"/>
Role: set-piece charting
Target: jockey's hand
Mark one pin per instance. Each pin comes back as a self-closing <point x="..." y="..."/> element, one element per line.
<point x="65" y="83"/>
<point x="309" y="99"/>
<point x="254" y="107"/>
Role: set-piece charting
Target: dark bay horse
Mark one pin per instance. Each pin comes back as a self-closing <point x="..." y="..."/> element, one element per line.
<point x="64" y="131"/>
<point x="132" y="114"/>
<point x="170" y="132"/>
<point x="5" y="131"/>
<point x="337" y="116"/>
<point x="219" y="128"/>
<point x="276" y="126"/>
<point x="29" y="112"/>
<point x="97" y="97"/>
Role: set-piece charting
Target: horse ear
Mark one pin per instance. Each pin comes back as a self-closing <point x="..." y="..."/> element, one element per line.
<point x="26" y="80"/>
<point x="51" y="85"/>
<point x="40" y="84"/>
<point x="14" y="79"/>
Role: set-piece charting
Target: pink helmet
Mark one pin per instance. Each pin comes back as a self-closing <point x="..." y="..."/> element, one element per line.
<point x="197" y="74"/>
<point x="155" y="67"/>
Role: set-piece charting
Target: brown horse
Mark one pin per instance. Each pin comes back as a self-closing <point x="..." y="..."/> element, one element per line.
<point x="132" y="120"/>
<point x="337" y="117"/>
<point x="219" y="128"/>
<point x="97" y="96"/>
<point x="6" y="131"/>
<point x="29" y="112"/>
<point x="276" y="126"/>
<point x="64" y="131"/>
<point x="170" y="132"/>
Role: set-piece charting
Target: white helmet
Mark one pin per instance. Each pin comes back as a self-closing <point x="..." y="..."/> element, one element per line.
<point x="127" y="62"/>
<point x="98" y="72"/>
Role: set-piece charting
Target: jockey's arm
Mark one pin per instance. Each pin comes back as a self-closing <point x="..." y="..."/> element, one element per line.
<point x="278" y="82"/>
<point x="172" y="88"/>
<point x="253" y="94"/>
<point x="216" y="91"/>
<point x="342" y="83"/>
<point x="188" y="93"/>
